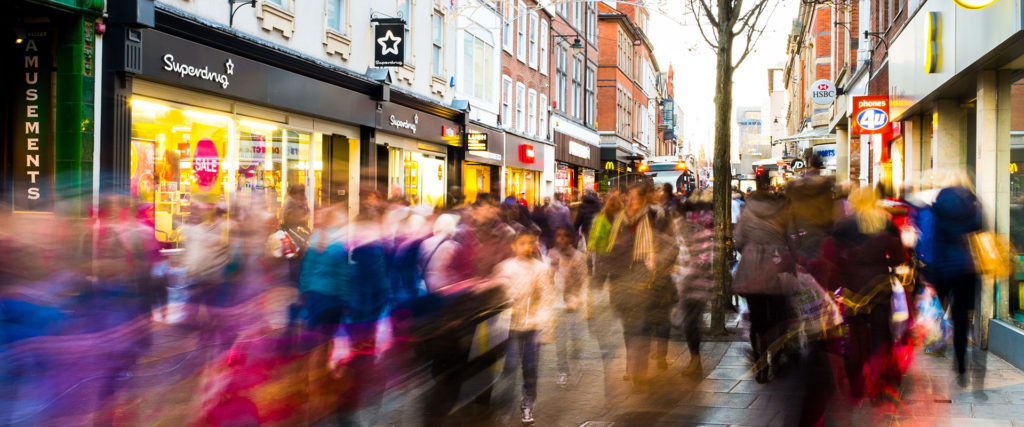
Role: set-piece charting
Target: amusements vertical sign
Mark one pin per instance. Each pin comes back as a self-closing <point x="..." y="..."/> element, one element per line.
<point x="33" y="134"/>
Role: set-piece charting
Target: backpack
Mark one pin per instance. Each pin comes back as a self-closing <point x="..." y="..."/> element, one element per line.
<point x="924" y="220"/>
<point x="405" y="273"/>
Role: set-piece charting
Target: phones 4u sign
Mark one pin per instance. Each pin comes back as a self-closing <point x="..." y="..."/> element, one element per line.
<point x="389" y="42"/>
<point x="870" y="115"/>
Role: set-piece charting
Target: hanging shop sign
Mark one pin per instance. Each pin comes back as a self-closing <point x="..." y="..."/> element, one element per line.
<point x="33" y="134"/>
<point x="823" y="92"/>
<point x="476" y="141"/>
<point x="870" y="115"/>
<point x="827" y="154"/>
<point x="389" y="43"/>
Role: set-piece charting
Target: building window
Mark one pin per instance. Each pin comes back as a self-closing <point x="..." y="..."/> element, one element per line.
<point x="544" y="29"/>
<point x="562" y="9"/>
<point x="577" y="14"/>
<point x="438" y="45"/>
<point x="521" y="22"/>
<point x="577" y="87"/>
<point x="508" y="10"/>
<point x="591" y="98"/>
<point x="279" y="3"/>
<point x="336" y="16"/>
<point x="561" y="78"/>
<point x="591" y="24"/>
<point x="542" y="117"/>
<point x="478" y="64"/>
<point x="531" y="120"/>
<point x="404" y="8"/>
<point x="534" y="36"/>
<point x="520" y="107"/>
<point x="506" y="102"/>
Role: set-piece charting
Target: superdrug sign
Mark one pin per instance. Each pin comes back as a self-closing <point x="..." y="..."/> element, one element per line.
<point x="389" y="43"/>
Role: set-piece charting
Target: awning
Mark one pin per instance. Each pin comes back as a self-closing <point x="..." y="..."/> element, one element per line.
<point x="818" y="134"/>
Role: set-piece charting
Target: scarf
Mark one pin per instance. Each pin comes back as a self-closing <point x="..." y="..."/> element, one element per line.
<point x="643" y="243"/>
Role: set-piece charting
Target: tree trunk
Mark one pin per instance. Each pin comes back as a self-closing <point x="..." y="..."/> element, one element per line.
<point x="722" y="167"/>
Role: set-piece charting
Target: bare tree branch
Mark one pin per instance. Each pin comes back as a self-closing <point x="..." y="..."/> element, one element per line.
<point x="710" y="15"/>
<point x="755" y="29"/>
<point x="692" y="5"/>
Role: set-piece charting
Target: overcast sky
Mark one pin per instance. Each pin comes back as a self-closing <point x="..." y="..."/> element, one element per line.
<point x="677" y="42"/>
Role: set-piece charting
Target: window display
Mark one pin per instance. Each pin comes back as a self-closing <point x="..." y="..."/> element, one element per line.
<point x="181" y="156"/>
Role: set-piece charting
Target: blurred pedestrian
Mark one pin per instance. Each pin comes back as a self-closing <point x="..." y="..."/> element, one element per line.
<point x="662" y="295"/>
<point x="761" y="239"/>
<point x="698" y="281"/>
<point x="952" y="272"/>
<point x="569" y="267"/>
<point x="865" y="247"/>
<point x="631" y="267"/>
<point x="527" y="282"/>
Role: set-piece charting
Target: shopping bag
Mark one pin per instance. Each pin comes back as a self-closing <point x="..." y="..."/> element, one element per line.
<point x="814" y="306"/>
<point x="991" y="253"/>
<point x="900" y="310"/>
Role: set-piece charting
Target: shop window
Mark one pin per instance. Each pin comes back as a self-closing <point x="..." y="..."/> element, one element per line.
<point x="181" y="155"/>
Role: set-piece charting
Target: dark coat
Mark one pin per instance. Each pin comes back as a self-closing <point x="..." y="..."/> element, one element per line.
<point x="588" y="210"/>
<point x="760" y="237"/>
<point x="956" y="215"/>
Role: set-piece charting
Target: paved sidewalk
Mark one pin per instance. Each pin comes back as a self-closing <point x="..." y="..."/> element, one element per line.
<point x="728" y="395"/>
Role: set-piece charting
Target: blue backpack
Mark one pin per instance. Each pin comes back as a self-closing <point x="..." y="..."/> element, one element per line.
<point x="924" y="220"/>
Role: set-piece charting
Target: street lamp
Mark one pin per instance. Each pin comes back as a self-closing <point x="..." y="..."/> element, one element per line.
<point x="576" y="46"/>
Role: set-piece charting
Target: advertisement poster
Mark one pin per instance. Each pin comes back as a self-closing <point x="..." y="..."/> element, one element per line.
<point x="142" y="181"/>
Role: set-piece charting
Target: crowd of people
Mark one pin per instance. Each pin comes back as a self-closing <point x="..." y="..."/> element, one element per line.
<point x="295" y="315"/>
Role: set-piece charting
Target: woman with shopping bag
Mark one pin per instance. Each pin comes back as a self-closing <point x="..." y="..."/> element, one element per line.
<point x="865" y="247"/>
<point x="760" y="238"/>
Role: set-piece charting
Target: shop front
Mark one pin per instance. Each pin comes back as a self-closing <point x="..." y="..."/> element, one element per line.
<point x="198" y="126"/>
<point x="47" y="131"/>
<point x="953" y="104"/>
<point x="481" y="171"/>
<point x="414" y="146"/>
<point x="577" y="163"/>
<point x="524" y="164"/>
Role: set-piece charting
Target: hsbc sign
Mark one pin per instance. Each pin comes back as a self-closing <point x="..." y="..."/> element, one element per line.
<point x="870" y="115"/>
<point x="823" y="92"/>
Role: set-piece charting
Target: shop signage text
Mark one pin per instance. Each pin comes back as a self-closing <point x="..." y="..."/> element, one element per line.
<point x="206" y="164"/>
<point x="204" y="73"/>
<point x="823" y="92"/>
<point x="404" y="124"/>
<point x="579" y="150"/>
<point x="476" y="141"/>
<point x="527" y="153"/>
<point x="870" y="115"/>
<point x="389" y="50"/>
<point x="33" y="155"/>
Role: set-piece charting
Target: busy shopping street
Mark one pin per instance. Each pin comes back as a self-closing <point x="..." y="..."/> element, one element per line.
<point x="512" y="213"/>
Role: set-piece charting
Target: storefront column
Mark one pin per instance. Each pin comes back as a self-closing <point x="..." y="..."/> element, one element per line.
<point x="948" y="147"/>
<point x="912" y="149"/>
<point x="992" y="181"/>
<point x="842" y="155"/>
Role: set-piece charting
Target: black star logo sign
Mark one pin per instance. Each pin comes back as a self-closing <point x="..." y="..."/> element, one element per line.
<point x="230" y="66"/>
<point x="389" y="37"/>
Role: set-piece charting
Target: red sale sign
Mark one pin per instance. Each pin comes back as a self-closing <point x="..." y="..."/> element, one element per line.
<point x="206" y="164"/>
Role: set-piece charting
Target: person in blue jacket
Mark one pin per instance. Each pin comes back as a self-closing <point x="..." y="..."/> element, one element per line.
<point x="957" y="214"/>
